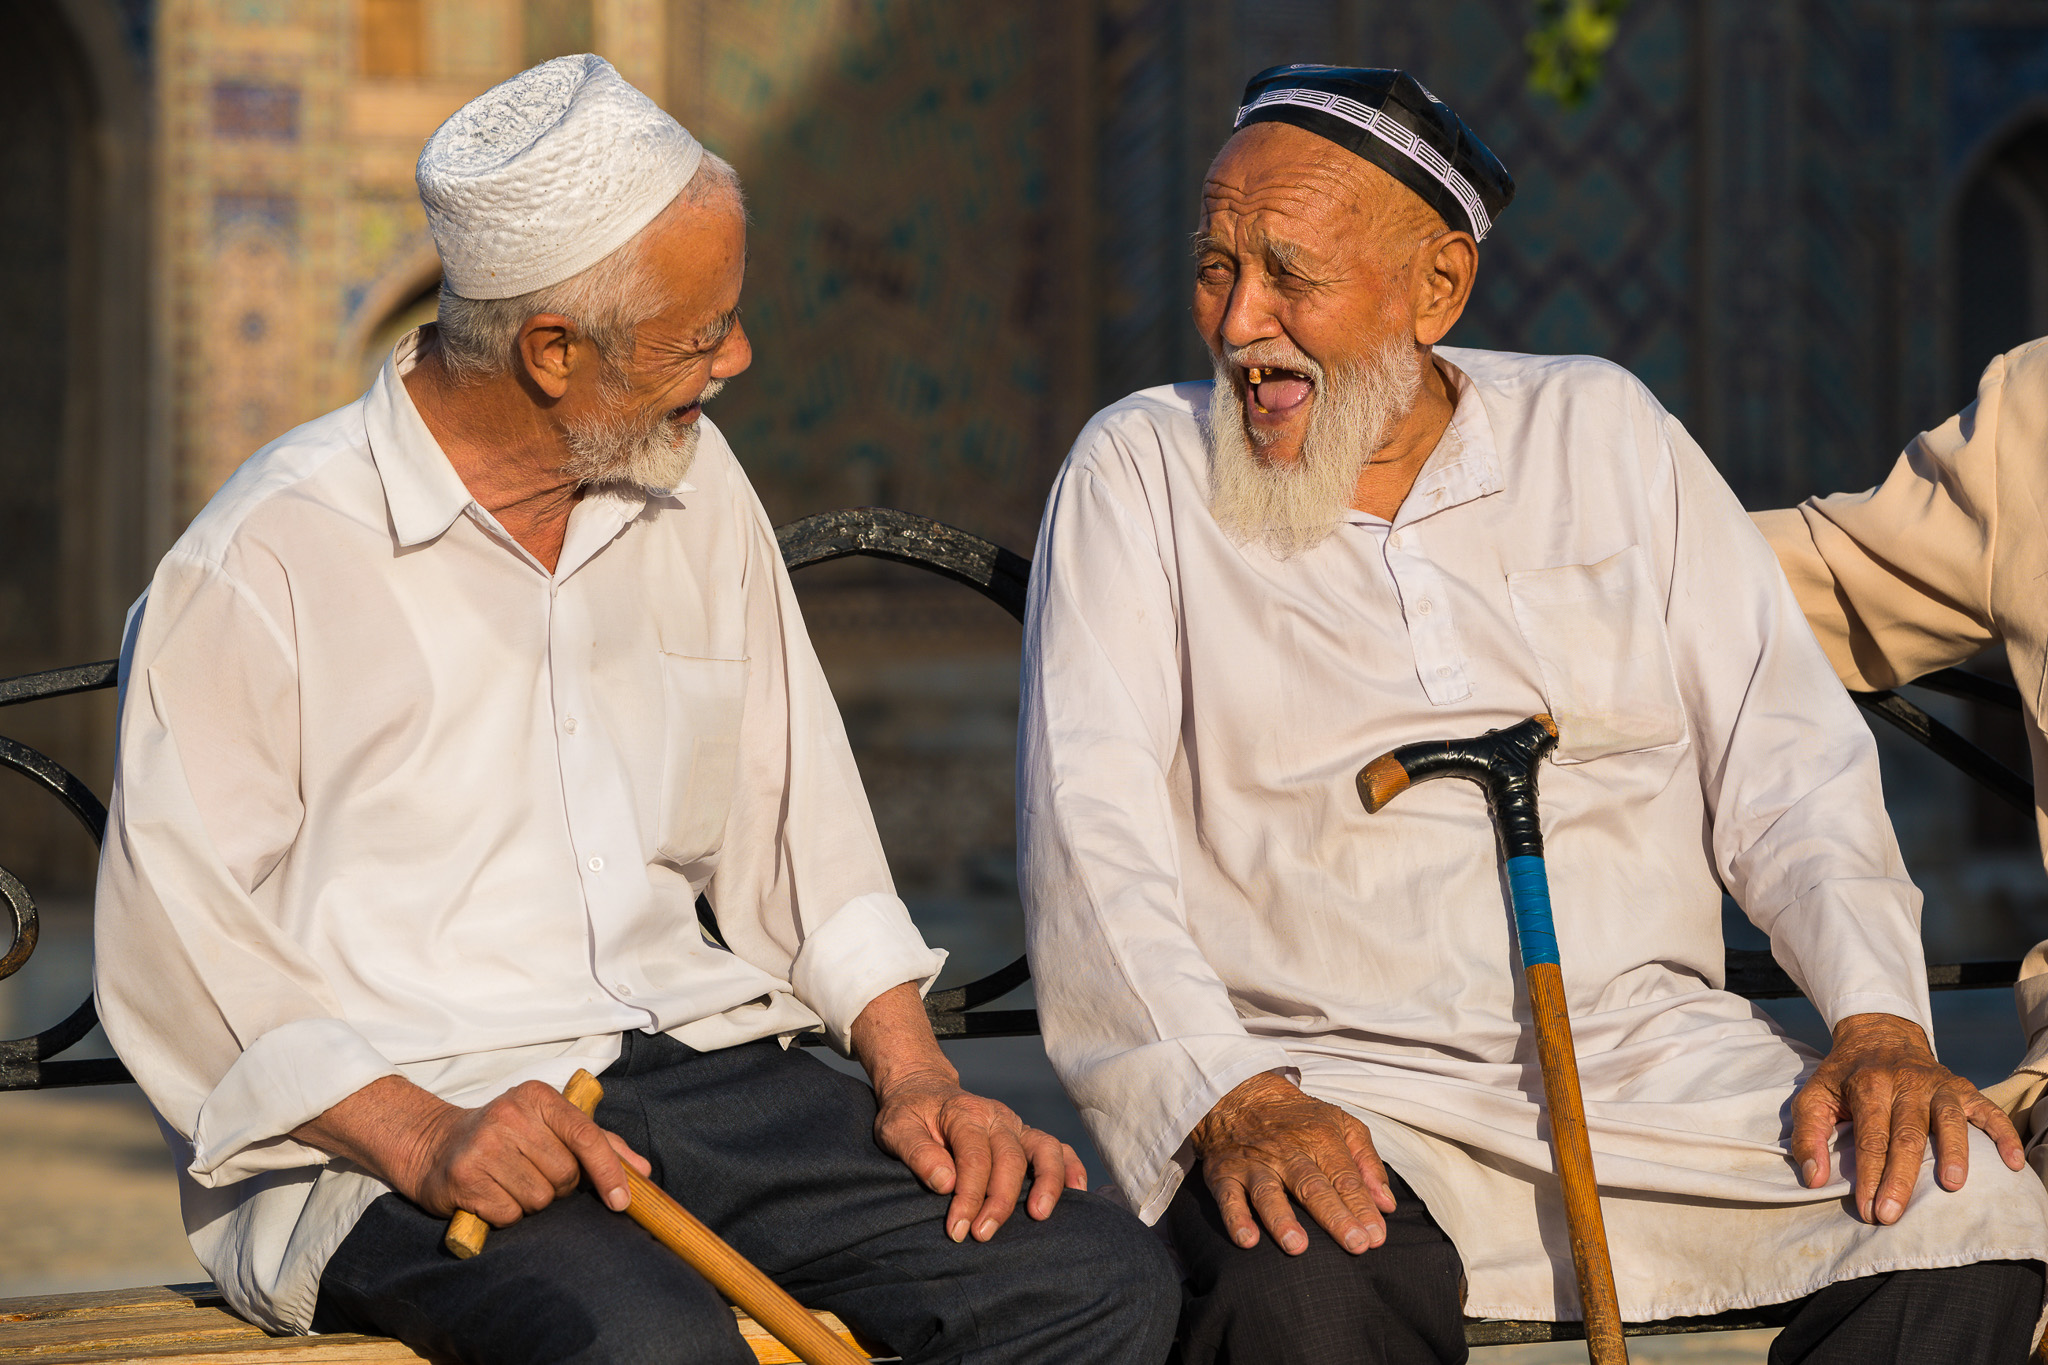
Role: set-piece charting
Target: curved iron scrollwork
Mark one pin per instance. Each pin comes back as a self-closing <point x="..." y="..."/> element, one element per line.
<point x="25" y="929"/>
<point x="885" y="533"/>
<point x="1002" y="577"/>
<point x="25" y="1063"/>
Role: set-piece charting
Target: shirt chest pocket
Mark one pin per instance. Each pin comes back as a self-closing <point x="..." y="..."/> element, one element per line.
<point x="1597" y="632"/>
<point x="702" y="700"/>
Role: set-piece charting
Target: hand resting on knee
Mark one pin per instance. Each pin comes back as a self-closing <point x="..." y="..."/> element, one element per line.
<point x="1266" y="1140"/>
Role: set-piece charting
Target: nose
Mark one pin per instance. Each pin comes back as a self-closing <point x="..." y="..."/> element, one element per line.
<point x="735" y="353"/>
<point x="1248" y="316"/>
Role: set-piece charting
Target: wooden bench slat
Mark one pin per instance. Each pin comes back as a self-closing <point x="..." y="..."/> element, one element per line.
<point x="335" y="1350"/>
<point x="99" y="1303"/>
<point x="166" y="1324"/>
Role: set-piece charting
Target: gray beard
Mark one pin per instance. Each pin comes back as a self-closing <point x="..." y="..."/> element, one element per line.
<point x="1293" y="508"/>
<point x="615" y="447"/>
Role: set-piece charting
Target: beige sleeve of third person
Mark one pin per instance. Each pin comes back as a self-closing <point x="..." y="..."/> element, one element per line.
<point x="1897" y="580"/>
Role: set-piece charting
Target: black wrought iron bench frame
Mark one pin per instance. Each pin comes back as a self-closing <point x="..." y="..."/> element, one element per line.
<point x="36" y="1062"/>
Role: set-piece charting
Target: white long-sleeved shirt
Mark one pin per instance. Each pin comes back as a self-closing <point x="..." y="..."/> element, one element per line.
<point x="1208" y="900"/>
<point x="392" y="798"/>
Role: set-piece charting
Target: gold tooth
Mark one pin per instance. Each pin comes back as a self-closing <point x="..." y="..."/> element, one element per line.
<point x="1255" y="376"/>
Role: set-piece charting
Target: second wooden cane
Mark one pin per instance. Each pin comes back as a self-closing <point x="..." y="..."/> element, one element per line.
<point x="682" y="1232"/>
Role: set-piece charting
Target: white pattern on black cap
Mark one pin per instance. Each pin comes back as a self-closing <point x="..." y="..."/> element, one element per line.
<point x="1391" y="133"/>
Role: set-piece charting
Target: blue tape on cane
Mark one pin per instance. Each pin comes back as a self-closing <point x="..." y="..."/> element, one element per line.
<point x="1529" y="893"/>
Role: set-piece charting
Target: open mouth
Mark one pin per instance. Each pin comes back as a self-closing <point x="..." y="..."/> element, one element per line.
<point x="1277" y="391"/>
<point x="686" y="413"/>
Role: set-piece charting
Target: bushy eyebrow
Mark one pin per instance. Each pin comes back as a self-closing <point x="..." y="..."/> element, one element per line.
<point x="1291" y="257"/>
<point x="706" y="339"/>
<point x="713" y="336"/>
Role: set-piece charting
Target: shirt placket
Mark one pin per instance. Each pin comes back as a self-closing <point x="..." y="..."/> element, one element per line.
<point x="594" y="800"/>
<point x="1441" y="664"/>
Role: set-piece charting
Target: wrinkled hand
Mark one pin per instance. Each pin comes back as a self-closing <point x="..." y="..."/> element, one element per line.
<point x="1265" y="1140"/>
<point x="1881" y="1076"/>
<point x="514" y="1156"/>
<point x="973" y="1148"/>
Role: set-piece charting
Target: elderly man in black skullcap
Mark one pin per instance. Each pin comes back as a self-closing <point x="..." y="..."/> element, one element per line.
<point x="1268" y="1003"/>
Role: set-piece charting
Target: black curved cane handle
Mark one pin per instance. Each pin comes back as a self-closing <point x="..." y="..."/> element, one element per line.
<point x="1502" y="762"/>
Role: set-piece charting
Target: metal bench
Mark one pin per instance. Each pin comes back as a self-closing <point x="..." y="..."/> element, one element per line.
<point x="36" y="1062"/>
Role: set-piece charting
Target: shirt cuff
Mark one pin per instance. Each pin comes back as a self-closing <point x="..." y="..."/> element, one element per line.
<point x="1141" y="1105"/>
<point x="868" y="946"/>
<point x="1876" y="1002"/>
<point x="295" y="1072"/>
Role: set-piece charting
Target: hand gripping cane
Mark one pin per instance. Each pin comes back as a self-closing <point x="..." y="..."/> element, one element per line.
<point x="676" y="1228"/>
<point x="1503" y="763"/>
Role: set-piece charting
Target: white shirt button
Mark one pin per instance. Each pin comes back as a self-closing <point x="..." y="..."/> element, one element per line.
<point x="1394" y="541"/>
<point x="1442" y="671"/>
<point x="570" y="725"/>
<point x="1423" y="607"/>
<point x="624" y="989"/>
<point x="597" y="864"/>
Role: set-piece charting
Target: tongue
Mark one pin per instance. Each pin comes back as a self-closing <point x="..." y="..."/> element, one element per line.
<point x="1278" y="395"/>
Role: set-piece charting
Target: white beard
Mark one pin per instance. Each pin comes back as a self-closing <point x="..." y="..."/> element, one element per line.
<point x="616" y="447"/>
<point x="1294" y="507"/>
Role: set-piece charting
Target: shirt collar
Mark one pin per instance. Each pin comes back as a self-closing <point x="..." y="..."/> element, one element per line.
<point x="423" y="492"/>
<point x="421" y="489"/>
<point x="1464" y="467"/>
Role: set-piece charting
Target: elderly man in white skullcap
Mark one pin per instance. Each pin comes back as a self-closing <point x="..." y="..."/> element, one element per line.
<point x="435" y="724"/>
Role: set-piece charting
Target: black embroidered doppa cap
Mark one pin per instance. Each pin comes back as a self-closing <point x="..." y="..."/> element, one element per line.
<point x="1390" y="119"/>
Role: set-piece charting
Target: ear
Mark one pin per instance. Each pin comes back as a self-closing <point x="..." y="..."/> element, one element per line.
<point x="1443" y="282"/>
<point x="550" y="350"/>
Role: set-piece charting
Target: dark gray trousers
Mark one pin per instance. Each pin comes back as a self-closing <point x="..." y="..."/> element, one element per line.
<point x="776" y="1151"/>
<point x="1399" y="1304"/>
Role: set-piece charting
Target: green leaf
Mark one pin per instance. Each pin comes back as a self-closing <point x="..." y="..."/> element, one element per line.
<point x="1568" y="44"/>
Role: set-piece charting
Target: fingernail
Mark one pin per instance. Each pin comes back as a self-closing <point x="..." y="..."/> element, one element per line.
<point x="1355" y="1240"/>
<point x="1888" y="1211"/>
<point x="958" y="1232"/>
<point x="986" y="1230"/>
<point x="1809" y="1172"/>
<point x="1952" y="1175"/>
<point x="1294" y="1242"/>
<point x="616" y="1199"/>
<point x="1247" y="1237"/>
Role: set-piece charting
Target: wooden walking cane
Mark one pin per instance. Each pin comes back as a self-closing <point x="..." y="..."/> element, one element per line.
<point x="1504" y="763"/>
<point x="676" y="1228"/>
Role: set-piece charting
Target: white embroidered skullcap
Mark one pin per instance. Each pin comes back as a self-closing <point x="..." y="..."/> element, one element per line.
<point x="547" y="174"/>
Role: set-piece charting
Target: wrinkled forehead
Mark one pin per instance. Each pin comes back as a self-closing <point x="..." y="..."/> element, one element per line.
<point x="1274" y="181"/>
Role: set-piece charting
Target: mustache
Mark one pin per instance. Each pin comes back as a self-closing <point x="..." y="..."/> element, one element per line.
<point x="1272" y="353"/>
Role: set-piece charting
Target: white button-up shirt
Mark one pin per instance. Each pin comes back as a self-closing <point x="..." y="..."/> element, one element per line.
<point x="392" y="798"/>
<point x="1208" y="900"/>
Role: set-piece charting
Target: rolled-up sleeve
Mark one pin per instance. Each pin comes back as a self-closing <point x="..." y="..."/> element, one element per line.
<point x="1139" y="1026"/>
<point x="229" y="1029"/>
<point x="802" y="887"/>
